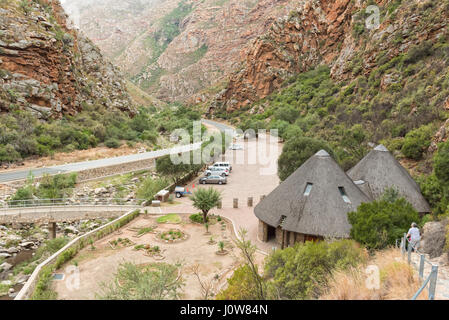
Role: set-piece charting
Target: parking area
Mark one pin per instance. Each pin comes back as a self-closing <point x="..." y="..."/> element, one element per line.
<point x="254" y="174"/>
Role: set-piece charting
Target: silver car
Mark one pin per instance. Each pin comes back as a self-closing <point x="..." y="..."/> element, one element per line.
<point x="214" y="179"/>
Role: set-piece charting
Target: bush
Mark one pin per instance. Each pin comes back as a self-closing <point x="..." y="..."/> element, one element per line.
<point x="197" y="218"/>
<point x="441" y="163"/>
<point x="379" y="223"/>
<point x="113" y="143"/>
<point x="416" y="142"/>
<point x="241" y="286"/>
<point x="149" y="187"/>
<point x="296" y="151"/>
<point x="157" y="281"/>
<point x="299" y="272"/>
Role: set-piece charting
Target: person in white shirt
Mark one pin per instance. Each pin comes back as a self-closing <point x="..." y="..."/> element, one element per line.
<point x="414" y="236"/>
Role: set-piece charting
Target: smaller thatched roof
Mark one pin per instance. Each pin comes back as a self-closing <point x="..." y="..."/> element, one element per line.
<point x="381" y="171"/>
<point x="314" y="200"/>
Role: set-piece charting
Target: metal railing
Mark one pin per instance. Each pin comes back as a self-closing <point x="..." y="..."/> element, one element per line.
<point x="431" y="280"/>
<point x="11" y="204"/>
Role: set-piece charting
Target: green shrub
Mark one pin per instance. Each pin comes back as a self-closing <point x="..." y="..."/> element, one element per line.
<point x="197" y="218"/>
<point x="416" y="142"/>
<point x="441" y="163"/>
<point x="296" y="151"/>
<point x="379" y="223"/>
<point x="113" y="143"/>
<point x="300" y="271"/>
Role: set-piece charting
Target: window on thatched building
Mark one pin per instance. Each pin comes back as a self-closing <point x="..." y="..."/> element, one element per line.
<point x="344" y="195"/>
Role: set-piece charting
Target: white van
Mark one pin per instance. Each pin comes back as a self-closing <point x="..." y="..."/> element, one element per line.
<point x="226" y="165"/>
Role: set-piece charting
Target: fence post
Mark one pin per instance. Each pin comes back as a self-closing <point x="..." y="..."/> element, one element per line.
<point x="250" y="201"/>
<point x="421" y="267"/>
<point x="433" y="282"/>
<point x="404" y="242"/>
<point x="409" y="252"/>
<point x="235" y="203"/>
<point x="219" y="204"/>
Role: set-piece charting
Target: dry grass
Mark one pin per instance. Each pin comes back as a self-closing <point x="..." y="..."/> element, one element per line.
<point x="398" y="280"/>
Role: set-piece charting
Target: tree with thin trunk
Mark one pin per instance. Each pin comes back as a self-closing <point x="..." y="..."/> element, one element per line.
<point x="248" y="251"/>
<point x="205" y="200"/>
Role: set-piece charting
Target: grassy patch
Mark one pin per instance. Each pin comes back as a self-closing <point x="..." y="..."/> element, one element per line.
<point x="169" y="218"/>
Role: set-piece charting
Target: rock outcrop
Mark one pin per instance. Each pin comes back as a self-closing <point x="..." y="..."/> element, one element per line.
<point x="332" y="33"/>
<point x="49" y="68"/>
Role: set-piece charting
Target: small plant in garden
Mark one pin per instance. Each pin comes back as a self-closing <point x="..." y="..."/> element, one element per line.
<point x="206" y="225"/>
<point x="221" y="246"/>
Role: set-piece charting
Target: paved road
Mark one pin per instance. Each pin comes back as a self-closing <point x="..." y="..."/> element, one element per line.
<point x="86" y="165"/>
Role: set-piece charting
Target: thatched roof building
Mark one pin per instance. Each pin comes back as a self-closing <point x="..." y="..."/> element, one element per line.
<point x="380" y="171"/>
<point x="312" y="203"/>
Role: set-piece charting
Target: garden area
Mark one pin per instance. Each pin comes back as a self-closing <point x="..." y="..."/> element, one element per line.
<point x="197" y="260"/>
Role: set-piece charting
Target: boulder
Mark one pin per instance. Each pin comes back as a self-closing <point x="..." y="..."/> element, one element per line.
<point x="434" y="236"/>
<point x="5" y="255"/>
<point x="5" y="266"/>
<point x="12" y="250"/>
<point x="27" y="244"/>
<point x="22" y="279"/>
<point x="71" y="229"/>
<point x="6" y="283"/>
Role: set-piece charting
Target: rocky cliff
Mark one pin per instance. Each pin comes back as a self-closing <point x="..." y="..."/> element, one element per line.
<point x="50" y="69"/>
<point x="331" y="33"/>
<point x="175" y="49"/>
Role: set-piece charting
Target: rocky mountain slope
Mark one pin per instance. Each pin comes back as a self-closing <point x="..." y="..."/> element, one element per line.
<point x="48" y="68"/>
<point x="176" y="48"/>
<point x="332" y="33"/>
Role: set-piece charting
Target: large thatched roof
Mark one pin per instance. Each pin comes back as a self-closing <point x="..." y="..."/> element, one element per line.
<point x="323" y="212"/>
<point x="382" y="171"/>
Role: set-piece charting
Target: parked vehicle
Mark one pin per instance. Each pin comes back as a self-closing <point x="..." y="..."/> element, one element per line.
<point x="222" y="165"/>
<point x="235" y="147"/>
<point x="181" y="191"/>
<point x="214" y="179"/>
<point x="217" y="170"/>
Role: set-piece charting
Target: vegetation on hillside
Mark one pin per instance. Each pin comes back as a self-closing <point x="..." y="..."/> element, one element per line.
<point x="157" y="42"/>
<point x="22" y="135"/>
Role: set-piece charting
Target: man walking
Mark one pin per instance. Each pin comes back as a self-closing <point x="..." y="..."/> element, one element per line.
<point x="414" y="236"/>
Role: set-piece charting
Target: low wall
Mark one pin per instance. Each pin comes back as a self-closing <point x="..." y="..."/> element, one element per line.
<point x="75" y="245"/>
<point x="61" y="213"/>
<point x="128" y="167"/>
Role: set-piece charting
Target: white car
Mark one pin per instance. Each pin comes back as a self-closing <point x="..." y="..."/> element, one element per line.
<point x="217" y="170"/>
<point x="225" y="165"/>
<point x="235" y="147"/>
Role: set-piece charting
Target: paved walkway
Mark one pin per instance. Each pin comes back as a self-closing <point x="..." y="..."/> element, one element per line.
<point x="442" y="289"/>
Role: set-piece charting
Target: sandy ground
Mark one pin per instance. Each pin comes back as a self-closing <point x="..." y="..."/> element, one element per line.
<point x="99" y="266"/>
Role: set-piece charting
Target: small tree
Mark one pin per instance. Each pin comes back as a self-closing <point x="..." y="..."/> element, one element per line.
<point x="205" y="200"/>
<point x="248" y="251"/>
<point x="221" y="246"/>
<point x="159" y="281"/>
<point x="296" y="151"/>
